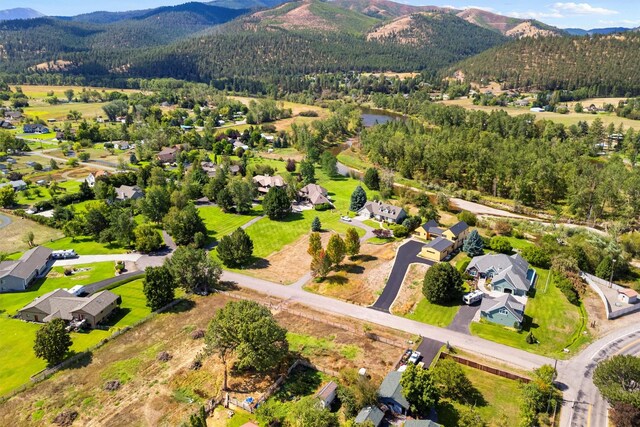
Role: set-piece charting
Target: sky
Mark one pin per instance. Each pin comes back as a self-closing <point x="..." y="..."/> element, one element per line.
<point x="564" y="14"/>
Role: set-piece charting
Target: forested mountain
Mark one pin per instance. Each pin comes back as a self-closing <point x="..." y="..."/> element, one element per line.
<point x="19" y="13"/>
<point x="607" y="64"/>
<point x="246" y="4"/>
<point x="610" y="30"/>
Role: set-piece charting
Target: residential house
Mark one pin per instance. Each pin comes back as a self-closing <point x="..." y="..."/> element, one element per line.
<point x="127" y="192"/>
<point x="4" y="124"/>
<point x="121" y="145"/>
<point x="504" y="310"/>
<point x="60" y="304"/>
<point x="18" y="275"/>
<point x="35" y="128"/>
<point x="13" y="115"/>
<point x="628" y="296"/>
<point x="437" y="249"/>
<point x="390" y="393"/>
<point x="211" y="168"/>
<point x="429" y="230"/>
<point x="18" y="185"/>
<point x="370" y="414"/>
<point x="265" y="182"/>
<point x="457" y="233"/>
<point x="167" y="155"/>
<point x="508" y="274"/>
<point x="327" y="394"/>
<point x="239" y="144"/>
<point x="314" y="195"/>
<point x="383" y="212"/>
<point x="92" y="177"/>
<point x="522" y="102"/>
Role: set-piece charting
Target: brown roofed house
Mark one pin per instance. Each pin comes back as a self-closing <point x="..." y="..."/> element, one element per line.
<point x="314" y="194"/>
<point x="265" y="182"/>
<point x="167" y="155"/>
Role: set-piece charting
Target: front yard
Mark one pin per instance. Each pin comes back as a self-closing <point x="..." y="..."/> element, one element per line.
<point x="556" y="323"/>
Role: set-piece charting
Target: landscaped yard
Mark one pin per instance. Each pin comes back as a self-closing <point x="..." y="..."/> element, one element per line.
<point x="434" y="314"/>
<point x="17" y="361"/>
<point x="84" y="245"/>
<point x="500" y="395"/>
<point x="220" y="224"/>
<point x="554" y="322"/>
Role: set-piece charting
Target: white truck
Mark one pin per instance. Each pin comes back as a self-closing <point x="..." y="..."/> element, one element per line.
<point x="472" y="297"/>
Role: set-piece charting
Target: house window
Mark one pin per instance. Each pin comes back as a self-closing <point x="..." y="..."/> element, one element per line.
<point x="503" y="311"/>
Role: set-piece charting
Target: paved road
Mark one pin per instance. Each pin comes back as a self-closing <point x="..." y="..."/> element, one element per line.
<point x="503" y="353"/>
<point x="463" y="318"/>
<point x="88" y="259"/>
<point x="407" y="255"/>
<point x="4" y="221"/>
<point x="583" y="404"/>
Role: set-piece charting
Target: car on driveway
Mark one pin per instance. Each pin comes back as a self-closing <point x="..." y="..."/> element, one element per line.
<point x="415" y="356"/>
<point x="345" y="218"/>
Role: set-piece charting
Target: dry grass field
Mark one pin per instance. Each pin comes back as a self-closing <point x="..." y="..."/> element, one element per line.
<point x="13" y="234"/>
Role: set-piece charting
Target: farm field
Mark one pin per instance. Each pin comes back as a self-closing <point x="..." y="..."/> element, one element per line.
<point x="566" y="119"/>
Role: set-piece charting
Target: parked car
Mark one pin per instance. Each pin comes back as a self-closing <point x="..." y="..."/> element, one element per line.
<point x="345" y="218"/>
<point x="415" y="356"/>
<point x="472" y="297"/>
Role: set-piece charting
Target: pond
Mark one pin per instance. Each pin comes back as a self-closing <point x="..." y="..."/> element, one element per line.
<point x="371" y="117"/>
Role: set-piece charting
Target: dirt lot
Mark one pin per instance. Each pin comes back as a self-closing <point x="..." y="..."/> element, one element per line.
<point x="156" y="393"/>
<point x="598" y="316"/>
<point x="359" y="281"/>
<point x="13" y="234"/>
<point x="411" y="290"/>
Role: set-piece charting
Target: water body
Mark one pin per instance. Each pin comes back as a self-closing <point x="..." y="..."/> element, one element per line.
<point x="371" y="117"/>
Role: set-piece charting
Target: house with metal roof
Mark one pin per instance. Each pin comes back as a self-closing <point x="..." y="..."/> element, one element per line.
<point x="17" y="185"/>
<point x="508" y="274"/>
<point x="457" y="233"/>
<point x="505" y="311"/>
<point x="18" y="275"/>
<point x="429" y="230"/>
<point x="383" y="212"/>
<point x="60" y="304"/>
<point x="390" y="393"/>
<point x="370" y="414"/>
<point x="437" y="249"/>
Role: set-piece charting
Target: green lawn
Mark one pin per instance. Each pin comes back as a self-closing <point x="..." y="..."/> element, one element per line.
<point x="519" y="244"/>
<point x="33" y="198"/>
<point x="499" y="395"/>
<point x="434" y="314"/>
<point x="309" y="346"/>
<point x="17" y="361"/>
<point x="220" y="224"/>
<point x="85" y="245"/>
<point x="554" y="322"/>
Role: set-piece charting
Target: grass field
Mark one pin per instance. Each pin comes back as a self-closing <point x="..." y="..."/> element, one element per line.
<point x="566" y="119"/>
<point x="59" y="112"/>
<point x="500" y="397"/>
<point x="17" y="361"/>
<point x="13" y="234"/>
<point x="220" y="224"/>
<point x="434" y="314"/>
<point x="554" y="322"/>
<point x="310" y="346"/>
<point x="85" y="245"/>
<point x="40" y="91"/>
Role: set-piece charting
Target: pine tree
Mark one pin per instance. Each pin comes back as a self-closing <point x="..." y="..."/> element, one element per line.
<point x="358" y="199"/>
<point x="352" y="242"/>
<point x="473" y="244"/>
<point x="316" y="225"/>
<point x="372" y="179"/>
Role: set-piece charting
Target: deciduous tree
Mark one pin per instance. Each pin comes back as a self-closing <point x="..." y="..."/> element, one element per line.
<point x="52" y="342"/>
<point x="147" y="239"/>
<point x="315" y="244"/>
<point x="158" y="287"/>
<point x="336" y="249"/>
<point x="235" y="249"/>
<point x="276" y="203"/>
<point x="372" y="179"/>
<point x="442" y="284"/>
<point x="194" y="270"/>
<point x="419" y="388"/>
<point x="352" y="242"/>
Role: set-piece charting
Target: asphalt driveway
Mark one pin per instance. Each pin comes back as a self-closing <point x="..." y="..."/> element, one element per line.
<point x="429" y="349"/>
<point x="463" y="318"/>
<point x="407" y="255"/>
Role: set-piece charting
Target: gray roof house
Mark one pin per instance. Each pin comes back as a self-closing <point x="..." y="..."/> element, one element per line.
<point x="314" y="194"/>
<point x="508" y="274"/>
<point x="390" y="393"/>
<point x="60" y="304"/>
<point x="126" y="192"/>
<point x="420" y="423"/>
<point x="265" y="182"/>
<point x="383" y="212"/>
<point x="371" y="414"/>
<point x="18" y="275"/>
<point x="505" y="310"/>
<point x="431" y="228"/>
<point x="17" y="185"/>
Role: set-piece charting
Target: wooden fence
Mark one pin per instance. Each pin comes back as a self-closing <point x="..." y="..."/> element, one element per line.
<point x="485" y="368"/>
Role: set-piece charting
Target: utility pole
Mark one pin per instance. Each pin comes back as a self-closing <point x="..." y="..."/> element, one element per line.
<point x="613" y="266"/>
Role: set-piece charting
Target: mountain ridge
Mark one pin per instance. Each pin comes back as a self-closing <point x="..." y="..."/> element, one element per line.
<point x="19" y="13"/>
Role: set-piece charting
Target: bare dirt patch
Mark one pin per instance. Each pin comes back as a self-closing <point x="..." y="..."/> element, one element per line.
<point x="411" y="290"/>
<point x="392" y="28"/>
<point x="303" y="17"/>
<point x="359" y="281"/>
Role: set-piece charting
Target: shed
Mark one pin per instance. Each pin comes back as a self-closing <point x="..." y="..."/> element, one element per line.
<point x="327" y="394"/>
<point x="628" y="296"/>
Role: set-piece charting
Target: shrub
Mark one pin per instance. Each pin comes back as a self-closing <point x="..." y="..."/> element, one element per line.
<point x="501" y="244"/>
<point x="163" y="356"/>
<point x="470" y="218"/>
<point x="197" y="334"/>
<point x="566" y="287"/>
<point x="502" y="227"/>
<point x="399" y="231"/>
<point x="537" y="257"/>
<point x="530" y="338"/>
<point x="322" y="207"/>
<point x="308" y="113"/>
<point x="68" y="271"/>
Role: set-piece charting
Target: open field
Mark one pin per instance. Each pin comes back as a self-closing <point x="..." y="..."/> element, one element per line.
<point x="499" y="402"/>
<point x="59" y="112"/>
<point x="556" y="323"/>
<point x="17" y="361"/>
<point x="165" y="393"/>
<point x="566" y="119"/>
<point x="40" y="91"/>
<point x="13" y="234"/>
<point x="220" y="224"/>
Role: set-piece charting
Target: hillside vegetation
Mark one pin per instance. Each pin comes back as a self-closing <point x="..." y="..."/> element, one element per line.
<point x="607" y="65"/>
